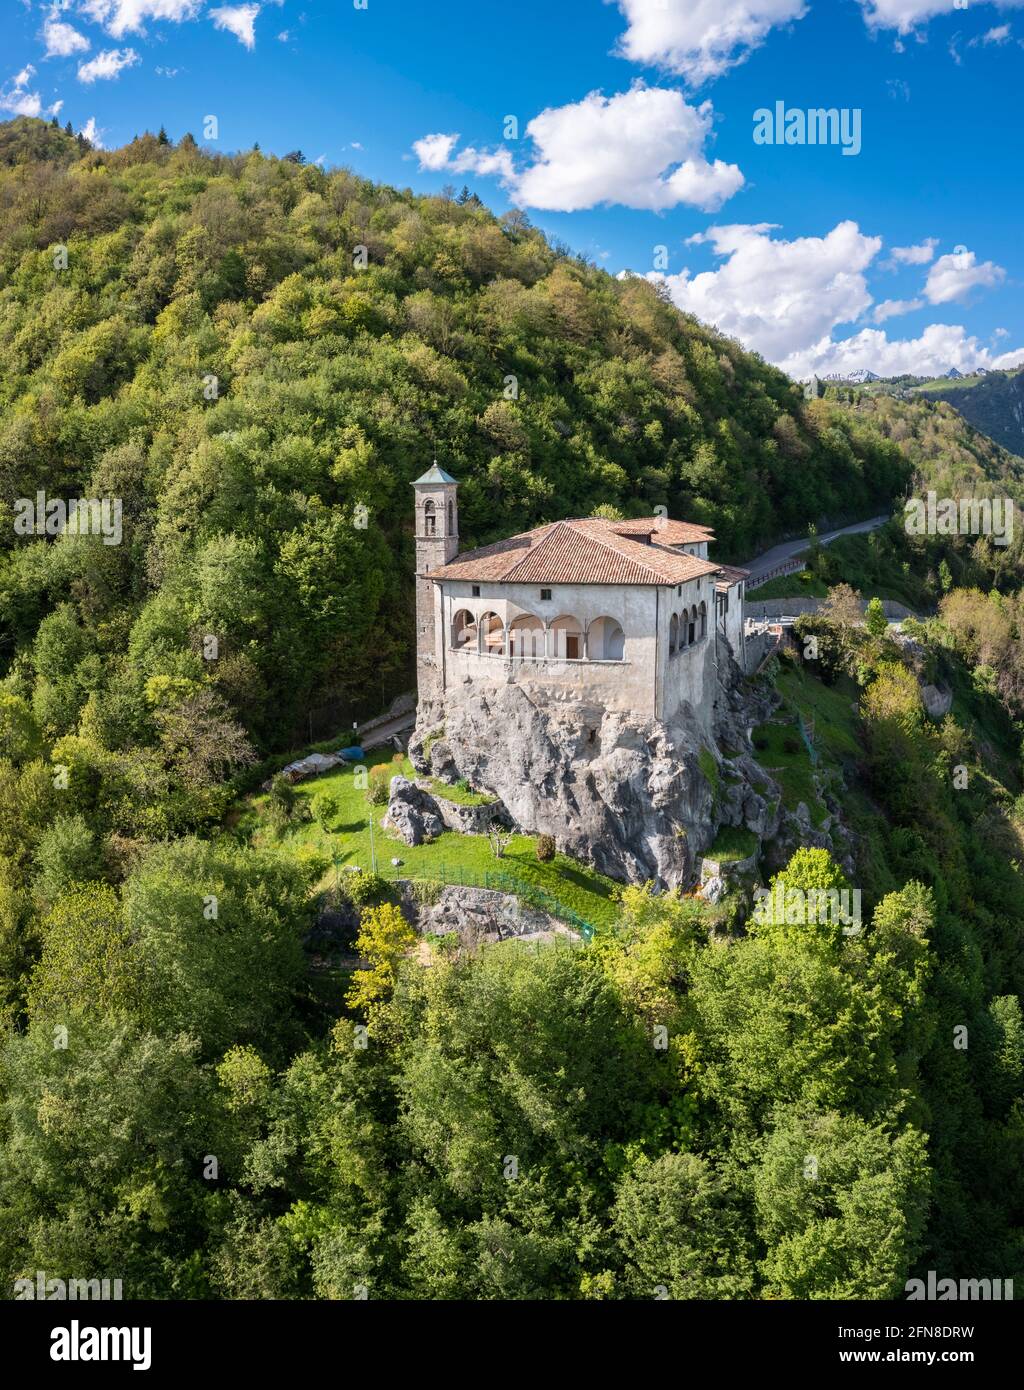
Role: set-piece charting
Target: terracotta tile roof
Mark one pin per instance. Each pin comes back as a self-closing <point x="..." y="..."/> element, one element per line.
<point x="668" y="532"/>
<point x="731" y="575"/>
<point x="587" y="551"/>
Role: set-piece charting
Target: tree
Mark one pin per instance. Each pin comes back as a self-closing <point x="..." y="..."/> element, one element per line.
<point x="384" y="938"/>
<point x="90" y="963"/>
<point x="842" y="608"/>
<point x="841" y="1205"/>
<point x="20" y="738"/>
<point x="219" y="934"/>
<point x="875" y="620"/>
<point x="67" y="854"/>
<point x="681" y="1228"/>
<point x="806" y="901"/>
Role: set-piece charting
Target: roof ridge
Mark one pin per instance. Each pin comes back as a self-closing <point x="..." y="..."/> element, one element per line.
<point x="614" y="550"/>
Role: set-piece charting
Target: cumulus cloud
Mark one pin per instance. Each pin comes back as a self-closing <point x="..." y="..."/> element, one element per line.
<point x="92" y="133"/>
<point x="239" y="20"/>
<point x="436" y="152"/>
<point x="953" y="277"/>
<point x="62" y="40"/>
<point x="914" y="255"/>
<point x="892" y="308"/>
<point x="700" y="39"/>
<point x="107" y="65"/>
<point x="643" y="149"/>
<point x="19" y="101"/>
<point x="905" y="15"/>
<point x="776" y="296"/>
<point x="120" y="17"/>
<point x="786" y="299"/>
<point x="939" y="347"/>
<point x="1008" y="359"/>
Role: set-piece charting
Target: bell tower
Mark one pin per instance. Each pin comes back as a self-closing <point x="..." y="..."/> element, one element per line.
<point x="437" y="542"/>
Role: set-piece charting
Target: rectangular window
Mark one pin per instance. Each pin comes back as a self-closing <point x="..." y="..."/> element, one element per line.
<point x="545" y="594"/>
<point x="476" y="590"/>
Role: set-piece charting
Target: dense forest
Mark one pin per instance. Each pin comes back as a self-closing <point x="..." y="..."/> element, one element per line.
<point x="258" y="356"/>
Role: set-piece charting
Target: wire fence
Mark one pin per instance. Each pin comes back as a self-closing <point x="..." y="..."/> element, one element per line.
<point x="807" y="739"/>
<point x="500" y="881"/>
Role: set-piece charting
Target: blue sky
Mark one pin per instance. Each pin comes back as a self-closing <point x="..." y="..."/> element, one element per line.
<point x="634" y="140"/>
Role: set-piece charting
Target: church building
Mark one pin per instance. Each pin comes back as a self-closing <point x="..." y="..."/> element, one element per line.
<point x="625" y="615"/>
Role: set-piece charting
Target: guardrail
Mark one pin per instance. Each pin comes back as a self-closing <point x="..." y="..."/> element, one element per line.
<point x="790" y="567"/>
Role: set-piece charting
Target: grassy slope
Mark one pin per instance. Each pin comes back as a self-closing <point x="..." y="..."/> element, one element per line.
<point x="452" y="857"/>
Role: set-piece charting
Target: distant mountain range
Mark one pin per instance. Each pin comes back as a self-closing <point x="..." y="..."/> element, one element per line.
<point x="991" y="401"/>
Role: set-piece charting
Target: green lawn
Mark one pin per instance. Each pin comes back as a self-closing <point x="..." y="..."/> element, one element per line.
<point x="452" y="857"/>
<point x="733" y="843"/>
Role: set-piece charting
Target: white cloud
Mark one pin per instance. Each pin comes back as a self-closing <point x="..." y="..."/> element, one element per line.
<point x="1002" y="33"/>
<point x="62" y="40"/>
<point x="1008" y="359"/>
<point x="952" y="277"/>
<point x="775" y="296"/>
<point x="912" y="255"/>
<point x="239" y="20"/>
<point x="700" y="39"/>
<point x="120" y="17"/>
<point x="905" y="15"/>
<point x="19" y="101"/>
<point x="892" y="308"/>
<point x="107" y="65"/>
<point x="642" y="149"/>
<point x="92" y="133"/>
<point x="785" y="300"/>
<point x="939" y="347"/>
<point x="436" y="152"/>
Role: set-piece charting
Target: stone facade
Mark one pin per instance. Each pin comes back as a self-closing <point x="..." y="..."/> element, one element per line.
<point x="650" y="650"/>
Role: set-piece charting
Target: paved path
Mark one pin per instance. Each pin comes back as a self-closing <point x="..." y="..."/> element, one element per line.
<point x="779" y="554"/>
<point x="383" y="733"/>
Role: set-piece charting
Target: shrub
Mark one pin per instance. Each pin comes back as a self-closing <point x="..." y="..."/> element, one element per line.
<point x="365" y="888"/>
<point x="379" y="784"/>
<point x="324" y="808"/>
<point x="545" y="848"/>
<point x="281" y="803"/>
<point x="791" y="745"/>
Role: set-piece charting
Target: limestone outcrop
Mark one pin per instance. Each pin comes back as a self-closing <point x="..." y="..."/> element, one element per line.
<point x="412" y="813"/>
<point x="639" y="799"/>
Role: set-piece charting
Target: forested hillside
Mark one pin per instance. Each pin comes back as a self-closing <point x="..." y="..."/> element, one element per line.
<point x="193" y="1099"/>
<point x="993" y="403"/>
<point x="217" y="355"/>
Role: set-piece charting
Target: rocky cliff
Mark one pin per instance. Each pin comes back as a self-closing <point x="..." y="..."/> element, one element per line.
<point x="640" y="799"/>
